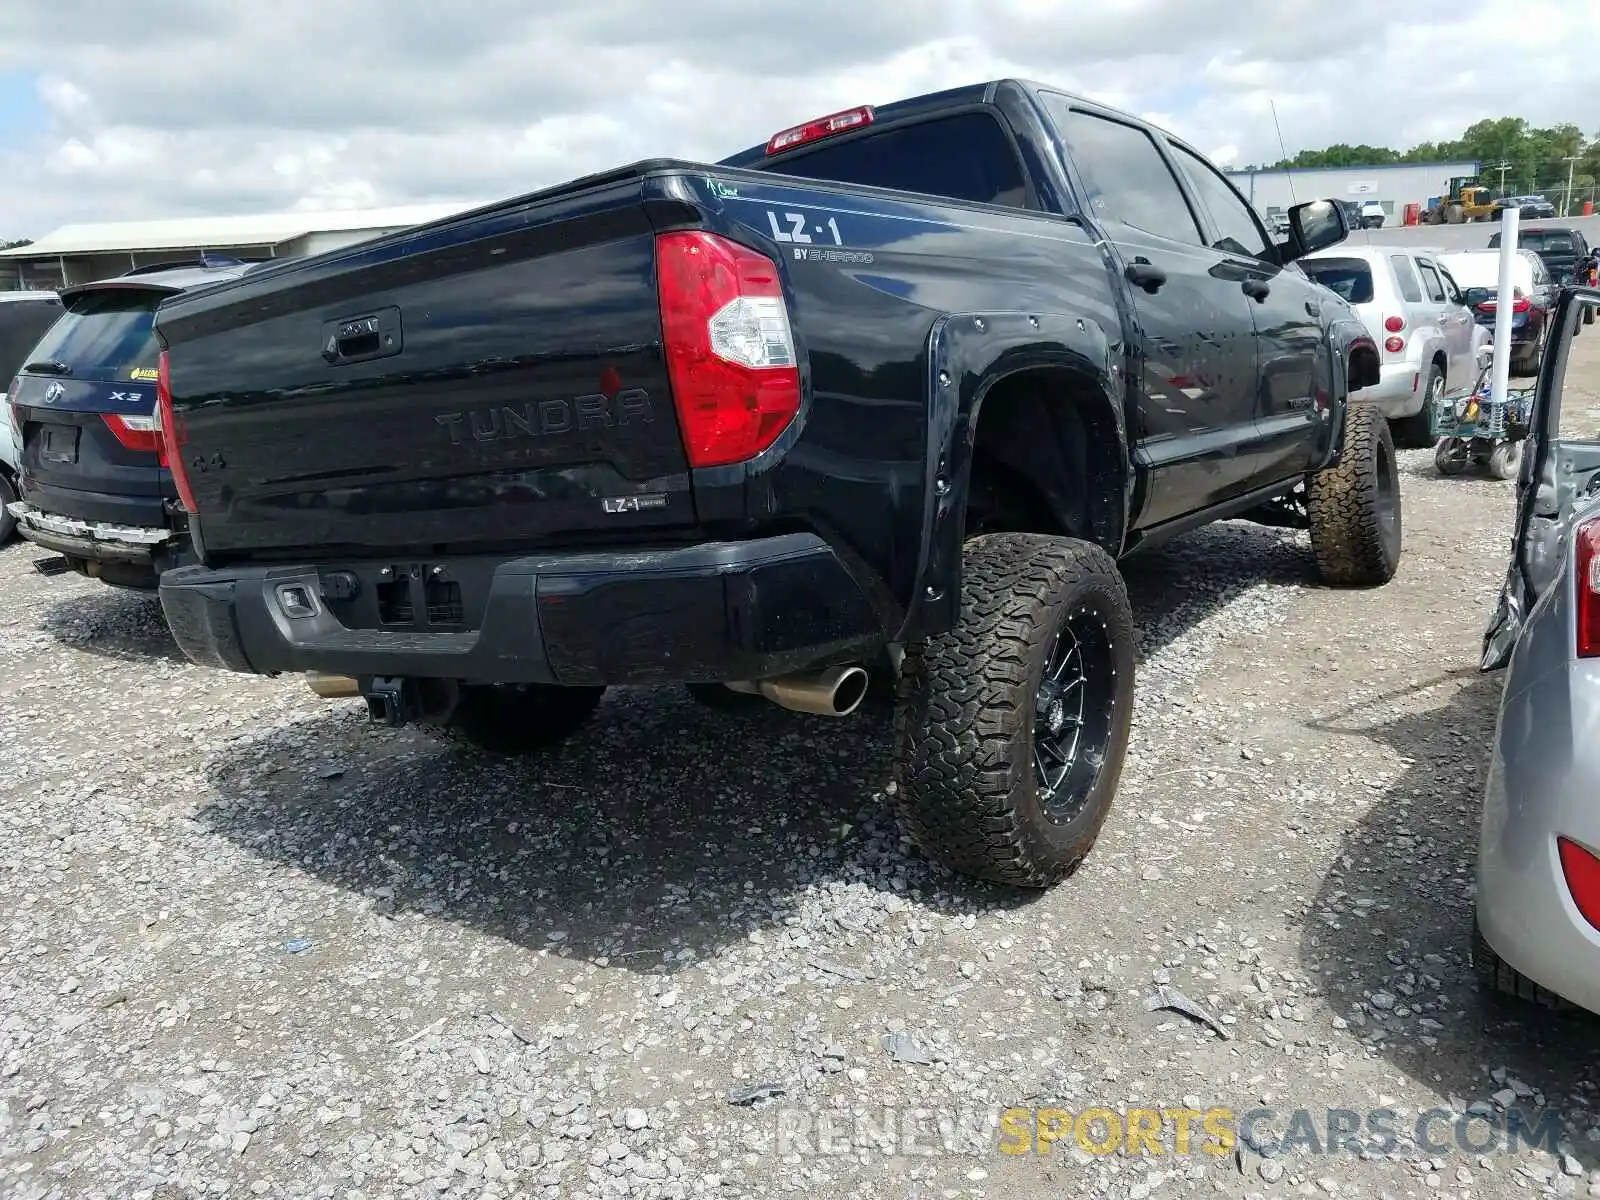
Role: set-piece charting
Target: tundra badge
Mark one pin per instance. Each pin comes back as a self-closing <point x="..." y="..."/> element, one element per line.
<point x="627" y="407"/>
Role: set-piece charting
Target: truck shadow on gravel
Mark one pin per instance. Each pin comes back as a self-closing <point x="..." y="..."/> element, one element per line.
<point x="662" y="826"/>
<point x="1394" y="918"/>
<point x="115" y="623"/>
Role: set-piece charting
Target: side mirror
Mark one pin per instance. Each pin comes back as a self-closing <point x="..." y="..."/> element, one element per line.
<point x="1316" y="225"/>
<point x="1485" y="357"/>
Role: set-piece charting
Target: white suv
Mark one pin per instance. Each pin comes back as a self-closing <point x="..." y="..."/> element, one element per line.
<point x="1427" y="339"/>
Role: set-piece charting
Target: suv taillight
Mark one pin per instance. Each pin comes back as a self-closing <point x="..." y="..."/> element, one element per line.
<point x="171" y="435"/>
<point x="730" y="353"/>
<point x="1586" y="581"/>
<point x="137" y="433"/>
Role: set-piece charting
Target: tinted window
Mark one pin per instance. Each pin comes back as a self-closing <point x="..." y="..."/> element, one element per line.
<point x="1347" y="277"/>
<point x="1406" y="275"/>
<point x="22" y="322"/>
<point x="105" y="335"/>
<point x="1430" y="280"/>
<point x="965" y="157"/>
<point x="1236" y="228"/>
<point x="1558" y="240"/>
<point x="1124" y="174"/>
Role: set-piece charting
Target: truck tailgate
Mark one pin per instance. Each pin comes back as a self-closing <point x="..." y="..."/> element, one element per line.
<point x="492" y="379"/>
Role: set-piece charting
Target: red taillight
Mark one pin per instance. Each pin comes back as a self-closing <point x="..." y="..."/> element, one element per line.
<point x="1394" y="345"/>
<point x="171" y="434"/>
<point x="1522" y="305"/>
<point x="730" y="354"/>
<point x="1395" y="324"/>
<point x="811" y="131"/>
<point x="136" y="433"/>
<point x="1586" y="581"/>
<point x="1582" y="872"/>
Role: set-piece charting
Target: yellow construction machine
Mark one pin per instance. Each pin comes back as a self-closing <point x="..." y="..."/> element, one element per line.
<point x="1465" y="200"/>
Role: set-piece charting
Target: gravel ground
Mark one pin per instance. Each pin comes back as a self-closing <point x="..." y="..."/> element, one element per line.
<point x="257" y="947"/>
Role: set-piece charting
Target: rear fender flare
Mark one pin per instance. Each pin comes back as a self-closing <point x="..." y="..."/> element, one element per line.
<point x="968" y="354"/>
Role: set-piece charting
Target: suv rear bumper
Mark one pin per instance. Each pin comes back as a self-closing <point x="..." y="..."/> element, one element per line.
<point x="705" y="613"/>
<point x="95" y="541"/>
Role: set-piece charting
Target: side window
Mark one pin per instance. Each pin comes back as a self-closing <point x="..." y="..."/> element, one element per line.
<point x="1406" y="276"/>
<point x="964" y="157"/>
<point x="1124" y="174"/>
<point x="1430" y="280"/>
<point x="1452" y="290"/>
<point x="1236" y="226"/>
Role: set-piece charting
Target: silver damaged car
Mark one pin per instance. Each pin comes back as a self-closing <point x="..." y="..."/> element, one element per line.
<point x="1538" y="889"/>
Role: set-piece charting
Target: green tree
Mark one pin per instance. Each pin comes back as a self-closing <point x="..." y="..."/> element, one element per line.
<point x="1536" y="158"/>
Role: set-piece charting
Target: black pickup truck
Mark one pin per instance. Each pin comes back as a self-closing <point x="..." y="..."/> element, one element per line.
<point x="897" y="386"/>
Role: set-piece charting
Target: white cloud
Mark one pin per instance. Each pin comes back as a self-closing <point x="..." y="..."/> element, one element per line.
<point x="172" y="107"/>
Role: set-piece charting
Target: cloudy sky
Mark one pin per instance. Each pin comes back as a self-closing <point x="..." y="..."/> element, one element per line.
<point x="113" y="109"/>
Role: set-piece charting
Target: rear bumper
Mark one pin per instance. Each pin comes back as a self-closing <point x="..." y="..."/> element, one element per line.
<point x="95" y="541"/>
<point x="1524" y="334"/>
<point x="703" y="613"/>
<point x="1544" y="780"/>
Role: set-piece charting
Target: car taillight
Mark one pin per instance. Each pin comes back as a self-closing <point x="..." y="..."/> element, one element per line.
<point x="1394" y="345"/>
<point x="1586" y="580"/>
<point x="170" y="432"/>
<point x="137" y="433"/>
<point x="730" y="353"/>
<point x="1582" y="872"/>
<point x="1522" y="305"/>
<point x="811" y="131"/>
<point x="1395" y="324"/>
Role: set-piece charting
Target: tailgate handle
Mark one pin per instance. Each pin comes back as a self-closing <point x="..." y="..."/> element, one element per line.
<point x="357" y="339"/>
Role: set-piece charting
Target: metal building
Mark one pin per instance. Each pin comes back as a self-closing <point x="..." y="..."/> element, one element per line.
<point x="80" y="253"/>
<point x="1394" y="187"/>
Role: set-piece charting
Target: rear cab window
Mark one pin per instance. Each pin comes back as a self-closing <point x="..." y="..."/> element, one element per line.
<point x="1348" y="278"/>
<point x="1405" y="274"/>
<point x="967" y="156"/>
<point x="107" y="336"/>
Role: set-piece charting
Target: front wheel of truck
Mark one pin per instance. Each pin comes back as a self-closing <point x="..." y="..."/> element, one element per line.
<point x="1011" y="729"/>
<point x="519" y="718"/>
<point x="1355" y="506"/>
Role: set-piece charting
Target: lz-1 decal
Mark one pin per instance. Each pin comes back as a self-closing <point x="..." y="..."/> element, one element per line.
<point x="796" y="231"/>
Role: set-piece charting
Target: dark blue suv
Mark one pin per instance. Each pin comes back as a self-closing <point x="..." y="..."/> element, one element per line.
<point x="94" y="480"/>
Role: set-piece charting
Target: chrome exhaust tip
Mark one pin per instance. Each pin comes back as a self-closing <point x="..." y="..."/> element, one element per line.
<point x="830" y="692"/>
<point x="333" y="687"/>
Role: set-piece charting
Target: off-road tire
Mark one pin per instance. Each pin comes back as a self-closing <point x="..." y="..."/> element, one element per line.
<point x="519" y="718"/>
<point x="1414" y="432"/>
<point x="8" y="494"/>
<point x="964" y="722"/>
<point x="1498" y="976"/>
<point x="1352" y="538"/>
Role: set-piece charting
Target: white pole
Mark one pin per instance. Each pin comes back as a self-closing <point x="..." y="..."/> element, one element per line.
<point x="1509" y="221"/>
